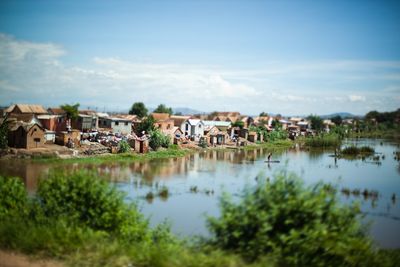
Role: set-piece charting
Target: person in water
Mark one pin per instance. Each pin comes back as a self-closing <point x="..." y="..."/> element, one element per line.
<point x="269" y="156"/>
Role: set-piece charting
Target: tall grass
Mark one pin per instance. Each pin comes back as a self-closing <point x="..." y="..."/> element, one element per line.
<point x="354" y="150"/>
<point x="323" y="141"/>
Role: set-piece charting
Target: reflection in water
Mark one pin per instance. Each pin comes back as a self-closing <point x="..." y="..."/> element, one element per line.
<point x="196" y="182"/>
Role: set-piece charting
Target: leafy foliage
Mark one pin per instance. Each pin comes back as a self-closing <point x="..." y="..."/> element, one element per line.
<point x="337" y="120"/>
<point x="13" y="198"/>
<point x="4" y="133"/>
<point x="316" y="123"/>
<point x="353" y="150"/>
<point x="158" y="139"/>
<point x="71" y="110"/>
<point x="296" y="225"/>
<point x="163" y="109"/>
<point x="85" y="199"/>
<point x="124" y="147"/>
<point x="239" y="124"/>
<point x="146" y="125"/>
<point x="138" y="109"/>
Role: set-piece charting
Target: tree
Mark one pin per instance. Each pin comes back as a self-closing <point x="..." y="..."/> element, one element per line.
<point x="317" y="123"/>
<point x="71" y="110"/>
<point x="163" y="109"/>
<point x="138" y="109"/>
<point x="4" y="133"/>
<point x="158" y="139"/>
<point x="276" y="124"/>
<point x="337" y="120"/>
<point x="239" y="124"/>
<point x="146" y="125"/>
<point x="263" y="114"/>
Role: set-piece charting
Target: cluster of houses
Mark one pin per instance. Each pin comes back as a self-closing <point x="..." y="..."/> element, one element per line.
<point x="32" y="126"/>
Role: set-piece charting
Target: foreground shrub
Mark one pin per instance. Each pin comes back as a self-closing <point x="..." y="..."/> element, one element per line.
<point x="84" y="198"/>
<point x="13" y="197"/>
<point x="296" y="225"/>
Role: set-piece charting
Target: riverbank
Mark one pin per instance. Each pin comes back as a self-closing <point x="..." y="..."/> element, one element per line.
<point x="68" y="156"/>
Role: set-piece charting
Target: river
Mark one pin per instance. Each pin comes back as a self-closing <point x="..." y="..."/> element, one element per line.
<point x="196" y="182"/>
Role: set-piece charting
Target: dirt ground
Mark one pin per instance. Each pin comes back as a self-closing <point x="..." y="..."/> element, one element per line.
<point x="11" y="259"/>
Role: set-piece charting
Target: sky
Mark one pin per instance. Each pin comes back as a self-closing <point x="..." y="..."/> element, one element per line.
<point x="287" y="57"/>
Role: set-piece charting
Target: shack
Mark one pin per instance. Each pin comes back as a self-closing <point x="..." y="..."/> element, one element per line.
<point x="25" y="135"/>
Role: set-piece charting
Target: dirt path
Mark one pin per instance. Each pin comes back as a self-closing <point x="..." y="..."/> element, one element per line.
<point x="11" y="259"/>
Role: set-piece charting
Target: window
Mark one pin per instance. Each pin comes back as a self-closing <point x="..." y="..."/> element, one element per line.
<point x="126" y="123"/>
<point x="117" y="123"/>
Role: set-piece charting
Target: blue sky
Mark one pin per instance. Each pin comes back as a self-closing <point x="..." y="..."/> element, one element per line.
<point x="289" y="57"/>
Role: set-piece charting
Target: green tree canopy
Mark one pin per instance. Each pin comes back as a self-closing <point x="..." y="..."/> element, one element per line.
<point x="147" y="125"/>
<point x="238" y="123"/>
<point x="138" y="109"/>
<point x="71" y="110"/>
<point x="163" y="109"/>
<point x="263" y="114"/>
<point x="317" y="123"/>
<point x="4" y="133"/>
<point x="337" y="120"/>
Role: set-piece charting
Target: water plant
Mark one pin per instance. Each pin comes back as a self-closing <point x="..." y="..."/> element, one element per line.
<point x="163" y="192"/>
<point x="326" y="140"/>
<point x="194" y="189"/>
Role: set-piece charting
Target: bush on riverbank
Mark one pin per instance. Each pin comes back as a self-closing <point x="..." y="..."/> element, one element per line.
<point x="295" y="225"/>
<point x="81" y="219"/>
<point x="327" y="140"/>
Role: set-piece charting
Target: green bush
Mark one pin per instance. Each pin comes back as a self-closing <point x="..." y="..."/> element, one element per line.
<point x="158" y="139"/>
<point x="13" y="197"/>
<point x="293" y="224"/>
<point x="123" y="147"/>
<point x="86" y="199"/>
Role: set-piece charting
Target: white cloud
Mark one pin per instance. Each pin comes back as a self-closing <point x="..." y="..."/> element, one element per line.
<point x="357" y="98"/>
<point x="34" y="72"/>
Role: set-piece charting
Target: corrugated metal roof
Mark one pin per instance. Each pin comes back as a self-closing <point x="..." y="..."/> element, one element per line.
<point x="217" y="123"/>
<point x="24" y="108"/>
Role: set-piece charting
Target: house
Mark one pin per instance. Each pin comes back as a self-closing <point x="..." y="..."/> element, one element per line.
<point x="227" y="116"/>
<point x="247" y="121"/>
<point x="64" y="138"/>
<point x="175" y="133"/>
<point x="252" y="137"/>
<point x="179" y="121"/>
<point x="56" y="111"/>
<point x="54" y="123"/>
<point x="328" y="125"/>
<point x="221" y="125"/>
<point x="25" y="135"/>
<point x="85" y="123"/>
<point x="284" y="124"/>
<point x="214" y="136"/>
<point x="26" y="109"/>
<point x="117" y="125"/>
<point x="303" y="125"/>
<point x="194" y="128"/>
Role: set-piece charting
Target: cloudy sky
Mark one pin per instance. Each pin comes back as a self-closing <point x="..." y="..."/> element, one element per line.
<point x="288" y="57"/>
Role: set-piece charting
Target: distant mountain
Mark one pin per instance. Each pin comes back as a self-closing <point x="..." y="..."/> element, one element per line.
<point x="187" y="111"/>
<point x="344" y="115"/>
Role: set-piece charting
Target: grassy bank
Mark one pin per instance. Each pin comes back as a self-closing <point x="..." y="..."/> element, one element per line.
<point x="83" y="221"/>
<point x="123" y="157"/>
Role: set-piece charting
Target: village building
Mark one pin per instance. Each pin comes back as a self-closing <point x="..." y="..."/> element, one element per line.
<point x="215" y="136"/>
<point x="116" y="125"/>
<point x="194" y="128"/>
<point x="221" y="125"/>
<point x="26" y="109"/>
<point x="227" y="116"/>
<point x="25" y="135"/>
<point x="68" y="138"/>
<point x="252" y="137"/>
<point x="328" y="125"/>
<point x="179" y="121"/>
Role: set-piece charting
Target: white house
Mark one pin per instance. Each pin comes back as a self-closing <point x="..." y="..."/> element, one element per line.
<point x="194" y="128"/>
<point x="118" y="125"/>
